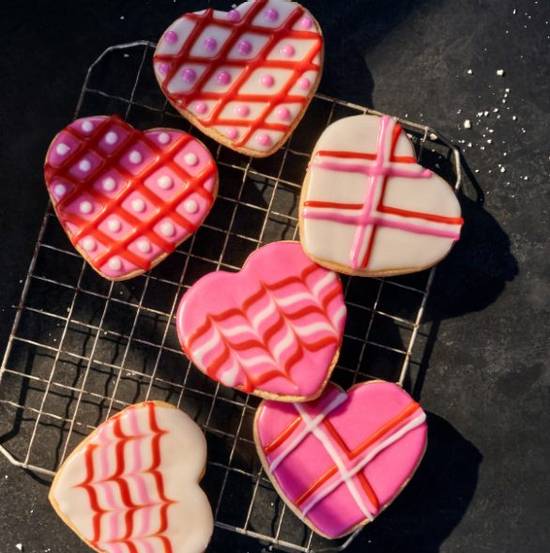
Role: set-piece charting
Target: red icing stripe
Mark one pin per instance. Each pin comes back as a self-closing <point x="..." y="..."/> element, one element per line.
<point x="421" y="215"/>
<point x="315" y="203"/>
<point x="182" y="99"/>
<point x="363" y="155"/>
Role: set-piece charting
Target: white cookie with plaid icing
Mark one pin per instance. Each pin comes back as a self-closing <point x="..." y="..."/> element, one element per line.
<point x="368" y="208"/>
<point x="244" y="77"/>
<point x="127" y="198"/>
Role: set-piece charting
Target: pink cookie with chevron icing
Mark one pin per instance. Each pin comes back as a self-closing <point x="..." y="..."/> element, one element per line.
<point x="342" y="459"/>
<point x="386" y="215"/>
<point x="244" y="77"/>
<point x="133" y="484"/>
<point x="127" y="198"/>
<point x="274" y="329"/>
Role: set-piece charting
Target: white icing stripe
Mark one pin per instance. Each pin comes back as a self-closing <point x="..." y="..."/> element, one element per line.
<point x="283" y="344"/>
<point x="229" y="376"/>
<point x="338" y="316"/>
<point x="253" y="362"/>
<point x="309" y="426"/>
<point x="312" y="328"/>
<point x="207" y="347"/>
<point x="334" y="455"/>
<point x="295" y="298"/>
<point x="236" y="330"/>
<point x="346" y="476"/>
<point x="326" y="281"/>
<point x="258" y="319"/>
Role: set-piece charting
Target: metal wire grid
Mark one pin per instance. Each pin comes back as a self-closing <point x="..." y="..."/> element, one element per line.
<point x="82" y="348"/>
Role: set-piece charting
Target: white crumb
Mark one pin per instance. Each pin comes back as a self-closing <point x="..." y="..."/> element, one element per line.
<point x="526" y="178"/>
<point x="467" y="124"/>
<point x="500" y="72"/>
<point x="19" y="546"/>
<point x="469" y="72"/>
<point x="503" y="169"/>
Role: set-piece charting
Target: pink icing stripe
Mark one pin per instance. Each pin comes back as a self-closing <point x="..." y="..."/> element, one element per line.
<point x="412" y="227"/>
<point x="372" y="170"/>
<point x="377" y="171"/>
<point x="134" y="427"/>
<point x="381" y="221"/>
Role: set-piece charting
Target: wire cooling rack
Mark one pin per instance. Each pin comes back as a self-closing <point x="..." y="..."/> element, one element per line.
<point x="82" y="348"/>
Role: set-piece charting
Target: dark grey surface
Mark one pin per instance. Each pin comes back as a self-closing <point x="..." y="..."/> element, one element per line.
<point x="484" y="484"/>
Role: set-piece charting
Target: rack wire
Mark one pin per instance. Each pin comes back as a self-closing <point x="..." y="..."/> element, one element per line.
<point x="82" y="348"/>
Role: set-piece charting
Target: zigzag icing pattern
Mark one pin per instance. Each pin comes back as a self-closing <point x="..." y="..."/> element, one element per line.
<point x="246" y="75"/>
<point x="125" y="488"/>
<point x="278" y="331"/>
<point x="339" y="461"/>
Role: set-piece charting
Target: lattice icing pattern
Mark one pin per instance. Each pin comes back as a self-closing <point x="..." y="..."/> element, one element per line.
<point x="368" y="208"/>
<point x="274" y="329"/>
<point x="132" y="485"/>
<point x="244" y="77"/>
<point x="127" y="198"/>
<point x="339" y="461"/>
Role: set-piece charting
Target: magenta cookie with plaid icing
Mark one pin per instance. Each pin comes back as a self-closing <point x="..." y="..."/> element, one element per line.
<point x="244" y="77"/>
<point x="341" y="460"/>
<point x="274" y="329"/>
<point x="127" y="198"/>
<point x="387" y="215"/>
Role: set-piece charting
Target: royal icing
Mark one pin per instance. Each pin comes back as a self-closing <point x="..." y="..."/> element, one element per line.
<point x="117" y="186"/>
<point x="386" y="214"/>
<point x="231" y="72"/>
<point x="273" y="329"/>
<point x="133" y="484"/>
<point x="340" y="460"/>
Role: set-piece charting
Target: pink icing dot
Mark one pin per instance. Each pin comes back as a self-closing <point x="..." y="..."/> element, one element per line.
<point x="224" y="77"/>
<point x="271" y="14"/>
<point x="163" y="68"/>
<point x="171" y="37"/>
<point x="267" y="80"/>
<point x="234" y="15"/>
<point x="306" y="22"/>
<point x="211" y="43"/>
<point x="288" y="50"/>
<point x="304" y="83"/>
<point x="244" y="47"/>
<point x="232" y="133"/>
<point x="189" y="75"/>
<point x="283" y="113"/>
<point x="263" y="139"/>
<point x="242" y="110"/>
<point x="201" y="107"/>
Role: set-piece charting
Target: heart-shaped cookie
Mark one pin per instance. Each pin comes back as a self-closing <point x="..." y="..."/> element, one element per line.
<point x="367" y="208"/>
<point x="243" y="77"/>
<point x="127" y="198"/>
<point x="340" y="460"/>
<point x="274" y="329"/>
<point x="133" y="484"/>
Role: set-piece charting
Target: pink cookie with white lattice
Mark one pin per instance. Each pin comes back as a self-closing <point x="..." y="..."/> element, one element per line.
<point x="127" y="198"/>
<point x="244" y="77"/>
<point x="368" y="208"/>
<point x="339" y="461"/>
